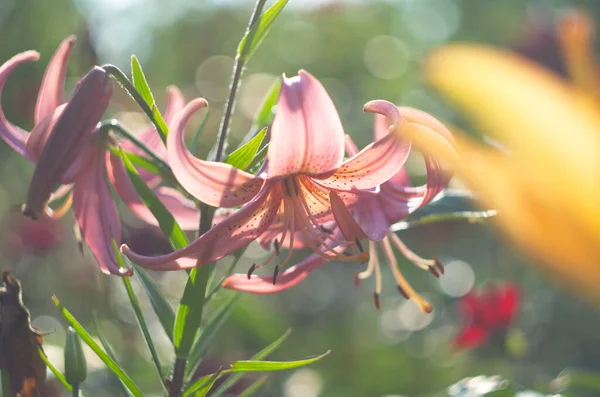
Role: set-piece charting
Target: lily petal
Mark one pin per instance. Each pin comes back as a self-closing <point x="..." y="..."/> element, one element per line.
<point x="307" y="135"/>
<point x="14" y="136"/>
<point x="264" y="284"/>
<point x="213" y="183"/>
<point x="50" y="95"/>
<point x="349" y="228"/>
<point x="96" y="213"/>
<point x="372" y="166"/>
<point x="232" y="233"/>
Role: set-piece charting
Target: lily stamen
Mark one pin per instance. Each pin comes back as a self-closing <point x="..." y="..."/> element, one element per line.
<point x="403" y="285"/>
<point x="434" y="266"/>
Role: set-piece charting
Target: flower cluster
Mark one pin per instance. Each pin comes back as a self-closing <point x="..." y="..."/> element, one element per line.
<point x="307" y="193"/>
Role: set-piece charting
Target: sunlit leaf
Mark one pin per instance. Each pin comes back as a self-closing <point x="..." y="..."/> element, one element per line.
<point x="259" y="30"/>
<point x="57" y="374"/>
<point x="161" y="125"/>
<point x="264" y="116"/>
<point x="451" y="205"/>
<point x="140" y="82"/>
<point x="243" y="156"/>
<point x="162" y="308"/>
<point x="203" y="385"/>
<point x="167" y="223"/>
<point x="260" y="366"/>
<point x="258" y="356"/>
<point x="86" y="337"/>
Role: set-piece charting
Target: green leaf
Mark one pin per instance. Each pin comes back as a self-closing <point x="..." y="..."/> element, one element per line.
<point x="258" y="356"/>
<point x="209" y="331"/>
<point x="243" y="156"/>
<point x="254" y="387"/>
<point x="451" y="205"/>
<point x="255" y="35"/>
<point x="203" y="385"/>
<point x="108" y="349"/>
<point x="189" y="312"/>
<point x="167" y="223"/>
<point x="162" y="308"/>
<point x="139" y="161"/>
<point x="260" y="366"/>
<point x="124" y="82"/>
<point x="86" y="337"/>
<point x="265" y="114"/>
<point x="241" y="367"/>
<point x="140" y="82"/>
<point x="161" y="125"/>
<point x="57" y="374"/>
<point x="139" y="315"/>
<point x="258" y="159"/>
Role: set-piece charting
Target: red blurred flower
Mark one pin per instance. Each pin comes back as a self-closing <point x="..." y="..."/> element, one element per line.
<point x="489" y="313"/>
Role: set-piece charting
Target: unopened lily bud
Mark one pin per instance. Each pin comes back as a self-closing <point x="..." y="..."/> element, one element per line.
<point x="75" y="364"/>
<point x="68" y="136"/>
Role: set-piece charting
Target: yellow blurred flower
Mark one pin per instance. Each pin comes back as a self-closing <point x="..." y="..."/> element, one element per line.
<point x="547" y="182"/>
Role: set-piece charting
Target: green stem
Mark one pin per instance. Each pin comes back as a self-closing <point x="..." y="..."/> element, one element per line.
<point x="176" y="384"/>
<point x="122" y="79"/>
<point x="238" y="69"/>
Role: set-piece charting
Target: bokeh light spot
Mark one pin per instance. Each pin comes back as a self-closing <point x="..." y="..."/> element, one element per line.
<point x="386" y="57"/>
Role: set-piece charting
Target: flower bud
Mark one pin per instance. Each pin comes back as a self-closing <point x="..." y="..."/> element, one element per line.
<point x="69" y="134"/>
<point x="75" y="364"/>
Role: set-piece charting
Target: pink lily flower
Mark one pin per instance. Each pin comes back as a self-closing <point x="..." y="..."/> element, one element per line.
<point x="64" y="145"/>
<point x="291" y="194"/>
<point x="373" y="216"/>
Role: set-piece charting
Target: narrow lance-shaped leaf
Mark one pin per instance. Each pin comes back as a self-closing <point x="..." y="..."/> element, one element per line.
<point x="57" y="374"/>
<point x="151" y="111"/>
<point x="254" y="387"/>
<point x="259" y="30"/>
<point x="259" y="366"/>
<point x="167" y="223"/>
<point x="258" y="356"/>
<point x="203" y="385"/>
<point x="189" y="312"/>
<point x="139" y="315"/>
<point x="162" y="308"/>
<point x="265" y="114"/>
<point x="108" y="349"/>
<point x="140" y="82"/>
<point x="243" y="156"/>
<point x="87" y="338"/>
<point x="139" y="161"/>
<point x="209" y="331"/>
<point x="255" y="366"/>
